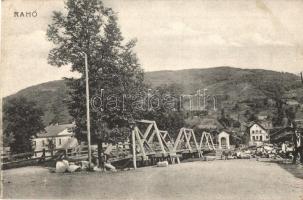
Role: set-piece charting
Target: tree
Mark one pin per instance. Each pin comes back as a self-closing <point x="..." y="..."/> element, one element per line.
<point x="8" y="139"/>
<point x="290" y="113"/>
<point x="250" y="116"/>
<point x="91" y="28"/>
<point x="274" y="89"/>
<point x="57" y="110"/>
<point x="21" y="120"/>
<point x="223" y="119"/>
<point x="245" y="137"/>
<point x="169" y="115"/>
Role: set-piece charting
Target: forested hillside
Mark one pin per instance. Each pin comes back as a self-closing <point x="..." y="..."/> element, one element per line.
<point x="235" y="88"/>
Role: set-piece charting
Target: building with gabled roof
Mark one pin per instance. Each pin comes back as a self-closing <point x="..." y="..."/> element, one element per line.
<point x="223" y="140"/>
<point x="58" y="134"/>
<point x="258" y="134"/>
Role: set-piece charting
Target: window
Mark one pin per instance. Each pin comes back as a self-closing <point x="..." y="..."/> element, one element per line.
<point x="261" y="138"/>
<point x="257" y="137"/>
<point x="43" y="143"/>
<point x="59" y="141"/>
<point x="253" y="131"/>
<point x="253" y="137"/>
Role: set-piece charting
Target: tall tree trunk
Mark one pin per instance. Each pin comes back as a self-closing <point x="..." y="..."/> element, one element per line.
<point x="100" y="157"/>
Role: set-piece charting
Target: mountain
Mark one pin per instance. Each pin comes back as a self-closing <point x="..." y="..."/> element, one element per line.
<point x="50" y="97"/>
<point x="224" y="78"/>
<point x="230" y="85"/>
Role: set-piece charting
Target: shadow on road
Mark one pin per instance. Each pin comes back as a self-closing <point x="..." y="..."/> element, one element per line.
<point x="296" y="170"/>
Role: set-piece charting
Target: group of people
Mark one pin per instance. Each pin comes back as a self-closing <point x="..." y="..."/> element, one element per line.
<point x="298" y="146"/>
<point x="294" y="149"/>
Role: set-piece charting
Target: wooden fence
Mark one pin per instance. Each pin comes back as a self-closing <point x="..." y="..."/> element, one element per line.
<point x="9" y="160"/>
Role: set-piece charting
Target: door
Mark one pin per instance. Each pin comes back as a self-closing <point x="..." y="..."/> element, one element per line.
<point x="223" y="142"/>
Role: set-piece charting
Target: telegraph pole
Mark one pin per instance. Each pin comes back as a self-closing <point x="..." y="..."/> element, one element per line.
<point x="301" y="73"/>
<point x="199" y="102"/>
<point x="204" y="96"/>
<point x="87" y="112"/>
<point x="148" y="99"/>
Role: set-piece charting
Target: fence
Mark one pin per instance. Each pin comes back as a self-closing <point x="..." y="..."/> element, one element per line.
<point x="9" y="160"/>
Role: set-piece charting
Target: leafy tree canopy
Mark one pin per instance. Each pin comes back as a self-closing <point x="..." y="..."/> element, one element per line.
<point x="21" y="120"/>
<point x="88" y="27"/>
<point x="167" y="111"/>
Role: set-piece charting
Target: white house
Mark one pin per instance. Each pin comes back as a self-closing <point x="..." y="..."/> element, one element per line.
<point x="58" y="134"/>
<point x="258" y="134"/>
<point x="223" y="139"/>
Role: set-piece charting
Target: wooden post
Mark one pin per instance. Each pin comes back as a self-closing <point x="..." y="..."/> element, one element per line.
<point x="189" y="136"/>
<point x="187" y="141"/>
<point x="148" y="130"/>
<point x="212" y="142"/>
<point x="151" y="138"/>
<point x="178" y="160"/>
<point x="159" y="138"/>
<point x="207" y="142"/>
<point x="140" y="143"/>
<point x="178" y="139"/>
<point x="134" y="149"/>
<point x="165" y="133"/>
<point x="195" y="141"/>
<point x="301" y="77"/>
<point x="201" y="140"/>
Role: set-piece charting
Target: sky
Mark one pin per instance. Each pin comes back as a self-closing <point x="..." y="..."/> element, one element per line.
<point x="171" y="34"/>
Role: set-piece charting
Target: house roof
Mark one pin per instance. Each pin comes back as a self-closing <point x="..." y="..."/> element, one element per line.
<point x="292" y="102"/>
<point x="225" y="131"/>
<point x="259" y="124"/>
<point x="55" y="130"/>
<point x="232" y="133"/>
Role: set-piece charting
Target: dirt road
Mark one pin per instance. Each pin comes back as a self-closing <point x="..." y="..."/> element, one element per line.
<point x="234" y="179"/>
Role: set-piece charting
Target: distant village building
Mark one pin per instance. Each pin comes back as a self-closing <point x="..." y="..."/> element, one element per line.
<point x="58" y="135"/>
<point x="258" y="134"/>
<point x="292" y="103"/>
<point x="223" y="139"/>
<point x="262" y="117"/>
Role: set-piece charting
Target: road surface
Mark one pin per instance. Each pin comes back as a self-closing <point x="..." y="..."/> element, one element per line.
<point x="212" y="180"/>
